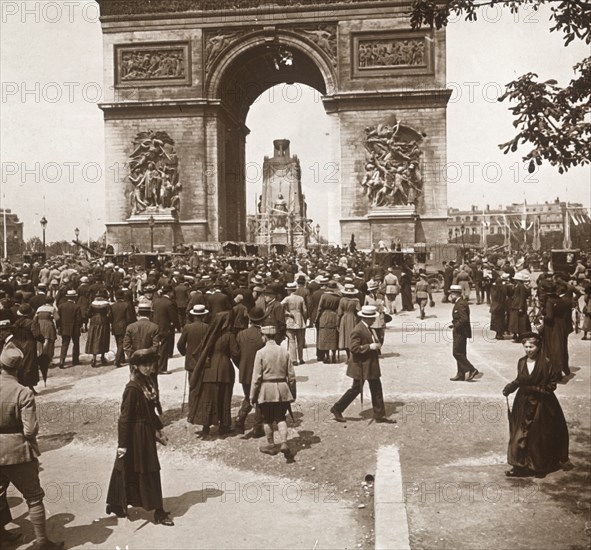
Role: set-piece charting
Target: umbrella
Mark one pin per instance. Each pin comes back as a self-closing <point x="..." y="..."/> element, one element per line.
<point x="44" y="361"/>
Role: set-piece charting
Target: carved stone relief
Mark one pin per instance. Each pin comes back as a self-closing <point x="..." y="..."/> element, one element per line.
<point x="152" y="64"/>
<point x="154" y="174"/>
<point x="392" y="165"/>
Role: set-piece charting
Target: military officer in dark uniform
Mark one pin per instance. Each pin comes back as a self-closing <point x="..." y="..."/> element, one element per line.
<point x="462" y="330"/>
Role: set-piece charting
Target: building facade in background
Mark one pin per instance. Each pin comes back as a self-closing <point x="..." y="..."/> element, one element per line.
<point x="13" y="233"/>
<point x="546" y="225"/>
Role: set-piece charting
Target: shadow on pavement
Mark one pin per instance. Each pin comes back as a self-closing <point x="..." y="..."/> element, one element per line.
<point x="304" y="441"/>
<point x="55" y="441"/>
<point x="49" y="391"/>
<point x="391" y="409"/>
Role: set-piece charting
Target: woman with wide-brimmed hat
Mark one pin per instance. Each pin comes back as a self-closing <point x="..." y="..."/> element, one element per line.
<point x="538" y="442"/>
<point x="135" y="480"/>
<point x="99" y="327"/>
<point x="26" y="335"/>
<point x="347" y="315"/>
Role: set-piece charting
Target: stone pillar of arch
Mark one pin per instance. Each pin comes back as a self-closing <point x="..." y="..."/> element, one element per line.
<point x="193" y="69"/>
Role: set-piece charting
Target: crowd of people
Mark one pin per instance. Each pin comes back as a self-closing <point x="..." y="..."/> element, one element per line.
<point x="233" y="322"/>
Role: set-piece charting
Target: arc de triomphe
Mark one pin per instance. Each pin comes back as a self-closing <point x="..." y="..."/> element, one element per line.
<point x="182" y="75"/>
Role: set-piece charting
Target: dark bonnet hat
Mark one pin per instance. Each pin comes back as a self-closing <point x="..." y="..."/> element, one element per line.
<point x="144" y="357"/>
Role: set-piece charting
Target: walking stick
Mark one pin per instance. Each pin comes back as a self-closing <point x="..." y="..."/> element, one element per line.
<point x="184" y="390"/>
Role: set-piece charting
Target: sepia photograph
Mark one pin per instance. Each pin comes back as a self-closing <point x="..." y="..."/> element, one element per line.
<point x="295" y="274"/>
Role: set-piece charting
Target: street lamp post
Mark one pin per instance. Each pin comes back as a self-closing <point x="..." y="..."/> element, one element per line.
<point x="77" y="233"/>
<point x="151" y="223"/>
<point x="462" y="230"/>
<point x="43" y="223"/>
<point x="318" y="233"/>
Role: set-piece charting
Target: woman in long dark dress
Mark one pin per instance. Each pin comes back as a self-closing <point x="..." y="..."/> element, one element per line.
<point x="539" y="436"/>
<point x="135" y="480"/>
<point x="498" y="304"/>
<point x="26" y="335"/>
<point x="406" y="289"/>
<point x="99" y="327"/>
<point x="328" y="323"/>
<point x="212" y="379"/>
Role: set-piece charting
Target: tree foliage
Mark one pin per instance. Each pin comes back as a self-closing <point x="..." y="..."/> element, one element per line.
<point x="551" y="118"/>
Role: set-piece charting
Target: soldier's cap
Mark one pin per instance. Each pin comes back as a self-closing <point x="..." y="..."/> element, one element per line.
<point x="198" y="309"/>
<point x="144" y="357"/>
<point x="455" y="288"/>
<point x="256" y="314"/>
<point x="269" y="330"/>
<point x="11" y="357"/>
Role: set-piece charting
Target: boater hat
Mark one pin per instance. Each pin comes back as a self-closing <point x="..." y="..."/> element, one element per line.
<point x="291" y="286"/>
<point x="455" y="288"/>
<point x="349" y="289"/>
<point x="198" y="309"/>
<point x="269" y="330"/>
<point x="369" y="312"/>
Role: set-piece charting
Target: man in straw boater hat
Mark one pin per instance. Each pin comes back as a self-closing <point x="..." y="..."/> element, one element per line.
<point x="273" y="389"/>
<point x="462" y="330"/>
<point x="69" y="326"/>
<point x="249" y="342"/>
<point x="192" y="335"/>
<point x="364" y="364"/>
<point x="19" y="426"/>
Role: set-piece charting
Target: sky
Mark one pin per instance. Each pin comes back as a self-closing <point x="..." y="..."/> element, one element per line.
<point x="52" y="138"/>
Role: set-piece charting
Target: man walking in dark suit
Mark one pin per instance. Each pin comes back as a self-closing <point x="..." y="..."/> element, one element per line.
<point x="143" y="333"/>
<point x="69" y="324"/>
<point x="249" y="340"/>
<point x="166" y="317"/>
<point x="181" y="297"/>
<point x="363" y="364"/>
<point x="122" y="316"/>
<point x="462" y="330"/>
<point x="192" y="335"/>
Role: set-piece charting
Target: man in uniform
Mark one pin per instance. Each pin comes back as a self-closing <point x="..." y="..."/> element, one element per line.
<point x="462" y="330"/>
<point x="19" y="450"/>
<point x="364" y="365"/>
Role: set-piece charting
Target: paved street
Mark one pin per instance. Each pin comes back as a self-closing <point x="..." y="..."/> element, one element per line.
<point x="451" y="437"/>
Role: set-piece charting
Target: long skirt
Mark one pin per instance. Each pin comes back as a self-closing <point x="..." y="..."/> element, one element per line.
<point x="328" y="333"/>
<point x="99" y="339"/>
<point x="539" y="435"/>
<point x="214" y="405"/>
<point x="134" y="489"/>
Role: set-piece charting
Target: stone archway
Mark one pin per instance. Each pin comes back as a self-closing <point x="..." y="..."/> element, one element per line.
<point x="191" y="69"/>
<point x="240" y="73"/>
